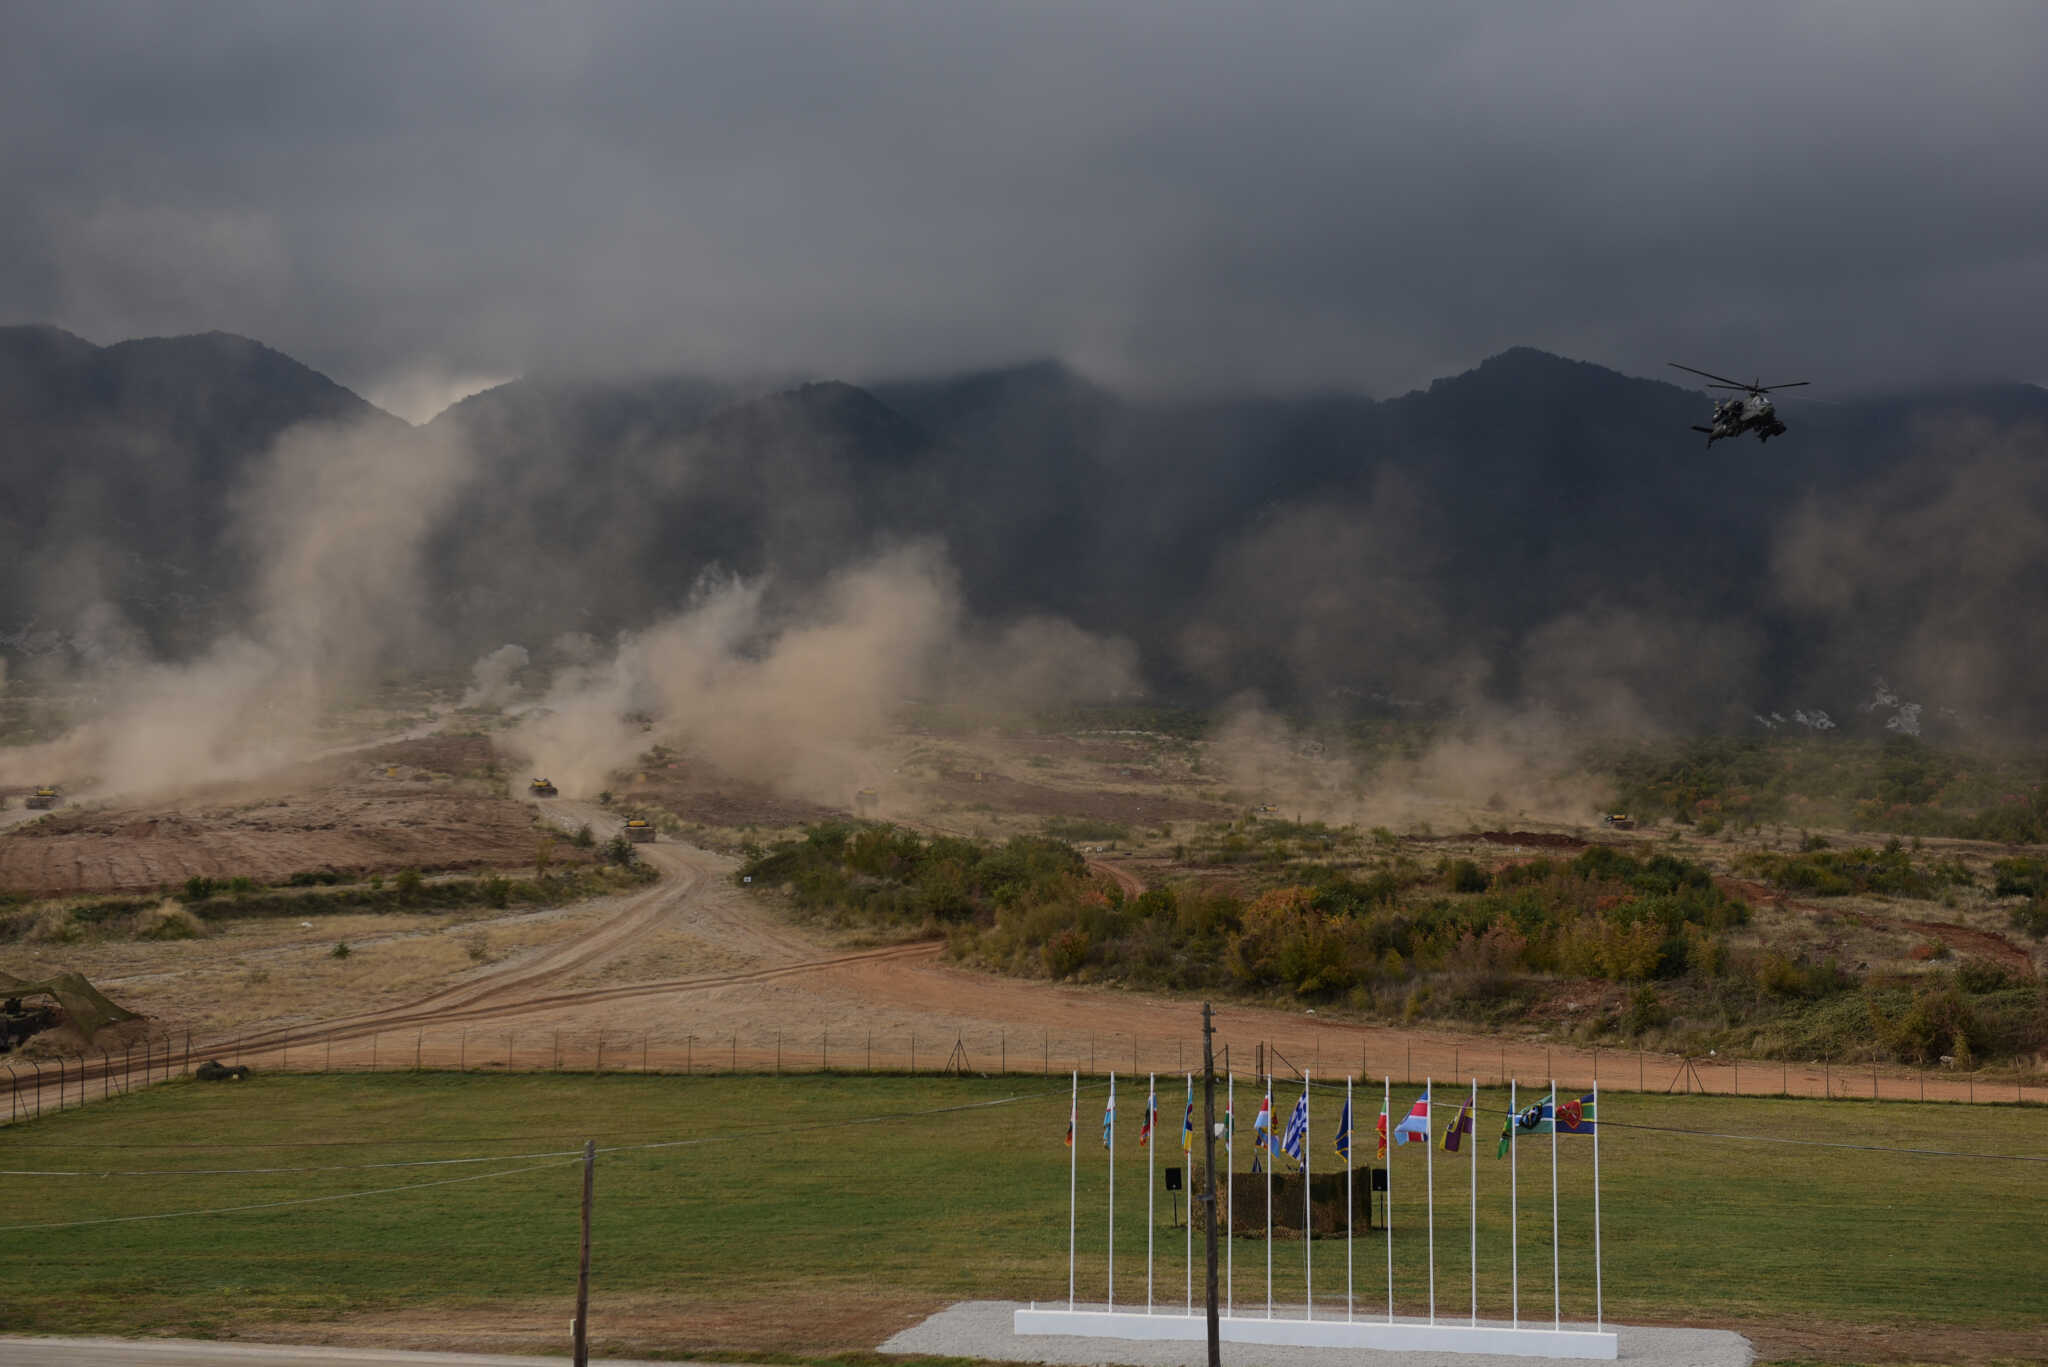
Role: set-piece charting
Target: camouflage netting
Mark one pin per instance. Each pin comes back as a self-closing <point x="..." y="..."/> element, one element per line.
<point x="85" y="1008"/>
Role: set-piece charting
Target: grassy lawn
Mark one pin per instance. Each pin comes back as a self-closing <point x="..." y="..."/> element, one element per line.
<point x="775" y="1200"/>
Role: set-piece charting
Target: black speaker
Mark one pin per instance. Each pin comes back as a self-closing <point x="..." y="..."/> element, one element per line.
<point x="1379" y="1179"/>
<point x="1173" y="1179"/>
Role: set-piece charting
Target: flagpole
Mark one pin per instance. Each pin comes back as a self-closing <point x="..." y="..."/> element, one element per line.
<point x="1599" y="1309"/>
<point x="1230" y="1195"/>
<point x="1350" y="1202"/>
<point x="1266" y="1108"/>
<point x="1514" y="1210"/>
<point x="1151" y="1166"/>
<point x="1308" y="1257"/>
<point x="1073" y="1177"/>
<point x="1556" y="1305"/>
<point x="1429" y="1163"/>
<point x="1471" y="1141"/>
<point x="1109" y="1142"/>
<point x="1387" y="1119"/>
<point x="1188" y="1163"/>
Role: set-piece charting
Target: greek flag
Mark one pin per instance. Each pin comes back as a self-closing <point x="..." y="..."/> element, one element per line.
<point x="1294" y="1139"/>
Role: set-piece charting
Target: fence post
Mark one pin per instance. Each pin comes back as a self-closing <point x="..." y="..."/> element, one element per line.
<point x="778" y="1053"/>
<point x="600" y="1049"/>
<point x="1003" y="1048"/>
<point x="558" y="1051"/>
<point x="284" y="1052"/>
<point x="825" y="1052"/>
<point x="38" y="1066"/>
<point x="462" y="1053"/>
<point x="643" y="1050"/>
<point x="13" y="1094"/>
<point x="373" y="1051"/>
<point x="913" y="1051"/>
<point x="188" y="1048"/>
<point x="735" y="1053"/>
<point x="107" y="1075"/>
<point x="689" y="1052"/>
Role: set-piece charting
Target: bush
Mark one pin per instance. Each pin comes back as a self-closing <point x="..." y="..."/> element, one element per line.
<point x="407" y="886"/>
<point x="583" y="839"/>
<point x="1065" y="952"/>
<point x="497" y="891"/>
<point x="2031" y="919"/>
<point x="1463" y="875"/>
<point x="340" y="950"/>
<point x="198" y="888"/>
<point x="619" y="850"/>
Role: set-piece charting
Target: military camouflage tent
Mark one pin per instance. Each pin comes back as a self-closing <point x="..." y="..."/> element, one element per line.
<point x="83" y="1005"/>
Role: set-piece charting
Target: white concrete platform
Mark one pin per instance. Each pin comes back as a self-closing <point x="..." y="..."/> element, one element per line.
<point x="1398" y="1335"/>
<point x="989" y="1329"/>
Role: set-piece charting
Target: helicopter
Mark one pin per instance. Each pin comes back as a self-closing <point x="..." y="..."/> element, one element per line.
<point x="1751" y="413"/>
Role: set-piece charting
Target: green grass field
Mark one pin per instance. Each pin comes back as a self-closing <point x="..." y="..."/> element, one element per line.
<point x="953" y="1189"/>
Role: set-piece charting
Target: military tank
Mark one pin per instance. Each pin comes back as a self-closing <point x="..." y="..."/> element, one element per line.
<point x="540" y="787"/>
<point x="639" y="830"/>
<point x="42" y="798"/>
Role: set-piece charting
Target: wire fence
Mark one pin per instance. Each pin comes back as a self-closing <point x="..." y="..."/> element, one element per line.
<point x="36" y="1085"/>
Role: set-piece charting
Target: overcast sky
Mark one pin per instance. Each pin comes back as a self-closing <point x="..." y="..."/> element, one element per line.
<point x="1275" y="196"/>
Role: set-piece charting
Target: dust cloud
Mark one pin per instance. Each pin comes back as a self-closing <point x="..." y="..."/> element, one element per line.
<point x="797" y="697"/>
<point x="335" y="520"/>
<point x="493" y="680"/>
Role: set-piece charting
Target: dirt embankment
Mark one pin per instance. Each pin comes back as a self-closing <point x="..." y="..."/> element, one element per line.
<point x="403" y="806"/>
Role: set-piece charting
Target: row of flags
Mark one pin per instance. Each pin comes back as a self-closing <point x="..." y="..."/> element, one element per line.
<point x="1574" y="1116"/>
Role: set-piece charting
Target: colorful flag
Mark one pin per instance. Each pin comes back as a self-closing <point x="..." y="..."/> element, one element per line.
<point x="1109" y="1117"/>
<point x="1294" y="1140"/>
<point x="1574" y="1116"/>
<point x="1344" y="1132"/>
<point x="1151" y="1114"/>
<point x="1416" y="1127"/>
<point x="1262" y="1131"/>
<point x="1382" y="1128"/>
<point x="1187" y="1122"/>
<point x="1070" y="1132"/>
<point x="1458" y="1128"/>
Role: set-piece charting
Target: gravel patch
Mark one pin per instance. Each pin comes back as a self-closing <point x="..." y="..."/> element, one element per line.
<point x="981" y="1329"/>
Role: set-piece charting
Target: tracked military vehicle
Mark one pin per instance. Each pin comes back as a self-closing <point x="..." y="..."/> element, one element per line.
<point x="639" y="830"/>
<point x="42" y="798"/>
<point x="540" y="787"/>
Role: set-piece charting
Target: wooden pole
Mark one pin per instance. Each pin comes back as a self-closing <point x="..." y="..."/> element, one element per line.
<point x="582" y="1343"/>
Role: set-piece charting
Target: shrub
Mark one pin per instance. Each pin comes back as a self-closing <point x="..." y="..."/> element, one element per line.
<point x="198" y="888"/>
<point x="407" y="886"/>
<point x="340" y="950"/>
<point x="1065" y="952"/>
<point x="497" y="891"/>
<point x="168" y="922"/>
<point x="583" y="839"/>
<point x="1464" y="875"/>
<point x="2032" y="918"/>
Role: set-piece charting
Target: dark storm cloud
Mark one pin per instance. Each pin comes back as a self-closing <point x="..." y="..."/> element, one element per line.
<point x="1279" y="195"/>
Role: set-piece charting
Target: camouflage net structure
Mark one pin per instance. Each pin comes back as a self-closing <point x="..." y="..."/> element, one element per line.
<point x="85" y="1008"/>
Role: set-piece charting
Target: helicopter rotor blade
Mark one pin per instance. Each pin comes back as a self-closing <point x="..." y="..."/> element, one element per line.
<point x="1793" y="384"/>
<point x="1710" y="375"/>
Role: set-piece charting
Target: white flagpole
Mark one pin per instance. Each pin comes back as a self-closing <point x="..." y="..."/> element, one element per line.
<point x="1599" y="1309"/>
<point x="1350" y="1202"/>
<point x="1429" y="1162"/>
<point x="1514" y="1212"/>
<point x="1471" y="1143"/>
<point x="1267" y="1107"/>
<point x="1556" y="1305"/>
<point x="1187" y="1163"/>
<point x="1387" y="1110"/>
<point x="1308" y="1257"/>
<point x="1229" y="1195"/>
<point x="1109" y="1142"/>
<point x="1151" y="1166"/>
<point x="1073" y="1177"/>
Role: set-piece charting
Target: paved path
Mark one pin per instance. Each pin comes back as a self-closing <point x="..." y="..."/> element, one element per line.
<point x="68" y="1352"/>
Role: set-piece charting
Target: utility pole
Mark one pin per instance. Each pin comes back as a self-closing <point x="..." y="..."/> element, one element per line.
<point x="1209" y="1162"/>
<point x="581" y="1347"/>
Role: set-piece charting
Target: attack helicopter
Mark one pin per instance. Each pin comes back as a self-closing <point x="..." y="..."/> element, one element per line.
<point x="1752" y="412"/>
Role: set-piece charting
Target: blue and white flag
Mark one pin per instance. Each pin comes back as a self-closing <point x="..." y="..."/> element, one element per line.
<point x="1294" y="1139"/>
